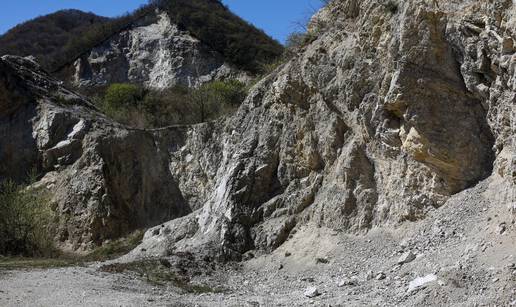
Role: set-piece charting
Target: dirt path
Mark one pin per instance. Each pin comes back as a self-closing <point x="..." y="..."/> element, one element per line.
<point x="73" y="287"/>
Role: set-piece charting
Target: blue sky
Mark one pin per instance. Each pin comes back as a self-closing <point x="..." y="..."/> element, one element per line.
<point x="276" y="17"/>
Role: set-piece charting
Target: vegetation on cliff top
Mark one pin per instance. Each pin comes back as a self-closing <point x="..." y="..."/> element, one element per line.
<point x="138" y="107"/>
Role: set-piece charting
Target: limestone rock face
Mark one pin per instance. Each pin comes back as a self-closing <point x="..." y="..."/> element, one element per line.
<point x="154" y="53"/>
<point x="393" y="108"/>
<point x="390" y="110"/>
<point x="106" y="180"/>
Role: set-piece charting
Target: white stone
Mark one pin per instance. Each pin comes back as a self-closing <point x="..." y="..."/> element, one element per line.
<point x="421" y="282"/>
<point x="311" y="292"/>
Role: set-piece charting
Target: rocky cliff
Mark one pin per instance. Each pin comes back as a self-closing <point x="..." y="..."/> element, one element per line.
<point x="392" y="108"/>
<point x="106" y="180"/>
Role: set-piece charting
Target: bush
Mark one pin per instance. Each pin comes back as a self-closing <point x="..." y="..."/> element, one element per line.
<point x="122" y="102"/>
<point x="25" y="222"/>
<point x="123" y="95"/>
<point x="295" y="40"/>
<point x="220" y="97"/>
<point x="132" y="105"/>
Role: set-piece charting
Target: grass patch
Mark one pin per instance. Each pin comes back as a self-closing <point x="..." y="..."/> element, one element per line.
<point x="116" y="248"/>
<point x="156" y="273"/>
<point x="108" y="251"/>
<point x="16" y="263"/>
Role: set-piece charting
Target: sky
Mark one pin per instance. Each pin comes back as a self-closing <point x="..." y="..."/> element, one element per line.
<point x="276" y="17"/>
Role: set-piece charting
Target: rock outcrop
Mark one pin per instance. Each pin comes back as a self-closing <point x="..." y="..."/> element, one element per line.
<point x="390" y="110"/>
<point x="106" y="180"/>
<point x="153" y="52"/>
<point x="393" y="108"/>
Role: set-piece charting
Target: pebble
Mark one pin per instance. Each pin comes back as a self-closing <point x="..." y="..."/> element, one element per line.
<point x="406" y="258"/>
<point x="311" y="292"/>
<point x="501" y="228"/>
<point x="380" y="276"/>
<point x="369" y="275"/>
<point x="347" y="282"/>
<point x="321" y="260"/>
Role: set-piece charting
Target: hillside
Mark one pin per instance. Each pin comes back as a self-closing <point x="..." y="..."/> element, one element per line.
<point x="45" y="36"/>
<point x="215" y="25"/>
<point x="67" y="35"/>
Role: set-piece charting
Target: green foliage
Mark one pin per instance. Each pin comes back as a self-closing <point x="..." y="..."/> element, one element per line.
<point x="216" y="98"/>
<point x="122" y="102"/>
<point x="137" y="107"/>
<point x="25" y="222"/>
<point x="13" y="263"/>
<point x="123" y="95"/>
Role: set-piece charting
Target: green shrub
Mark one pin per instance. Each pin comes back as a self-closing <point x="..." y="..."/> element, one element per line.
<point x="137" y="107"/>
<point x="169" y="106"/>
<point x="122" y="95"/>
<point x="122" y="102"/>
<point x="213" y="99"/>
<point x="230" y="92"/>
<point x="26" y="221"/>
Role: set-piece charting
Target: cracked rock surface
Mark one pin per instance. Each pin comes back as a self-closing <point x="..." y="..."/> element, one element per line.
<point x="392" y="133"/>
<point x="378" y="121"/>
